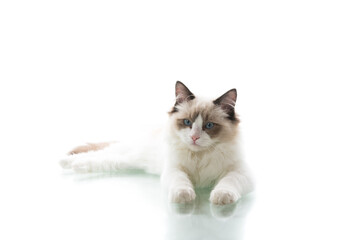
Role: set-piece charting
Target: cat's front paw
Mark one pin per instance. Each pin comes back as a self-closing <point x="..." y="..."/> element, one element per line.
<point x="223" y="196"/>
<point x="182" y="195"/>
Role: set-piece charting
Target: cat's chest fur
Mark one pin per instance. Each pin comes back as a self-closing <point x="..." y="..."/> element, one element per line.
<point x="205" y="168"/>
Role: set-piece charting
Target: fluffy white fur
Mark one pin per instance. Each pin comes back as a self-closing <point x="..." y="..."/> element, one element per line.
<point x="186" y="158"/>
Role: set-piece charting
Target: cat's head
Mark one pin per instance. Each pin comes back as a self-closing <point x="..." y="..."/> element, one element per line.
<point x="202" y="124"/>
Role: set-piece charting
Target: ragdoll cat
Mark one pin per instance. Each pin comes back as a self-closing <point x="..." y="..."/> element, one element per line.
<point x="199" y="149"/>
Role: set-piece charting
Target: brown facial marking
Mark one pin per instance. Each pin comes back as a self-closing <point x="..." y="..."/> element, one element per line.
<point x="224" y="130"/>
<point x="214" y="131"/>
<point x="180" y="124"/>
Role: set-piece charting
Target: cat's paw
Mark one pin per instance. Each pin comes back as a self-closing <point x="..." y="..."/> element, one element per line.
<point x="223" y="196"/>
<point x="182" y="195"/>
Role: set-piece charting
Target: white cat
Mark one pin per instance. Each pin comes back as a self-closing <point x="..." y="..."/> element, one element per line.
<point x="198" y="148"/>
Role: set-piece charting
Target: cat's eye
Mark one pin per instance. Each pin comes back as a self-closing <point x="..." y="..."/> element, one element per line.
<point x="187" y="122"/>
<point x="209" y="125"/>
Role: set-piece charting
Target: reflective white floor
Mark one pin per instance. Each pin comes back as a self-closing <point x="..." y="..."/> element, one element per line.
<point x="45" y="202"/>
<point x="133" y="205"/>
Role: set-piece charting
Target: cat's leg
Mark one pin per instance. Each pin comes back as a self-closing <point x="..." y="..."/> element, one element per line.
<point x="181" y="189"/>
<point x="230" y="188"/>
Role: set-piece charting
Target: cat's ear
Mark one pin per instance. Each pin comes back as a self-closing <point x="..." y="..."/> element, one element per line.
<point x="182" y="93"/>
<point x="227" y="103"/>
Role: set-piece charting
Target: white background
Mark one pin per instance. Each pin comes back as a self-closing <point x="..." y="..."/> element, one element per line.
<point x="77" y="71"/>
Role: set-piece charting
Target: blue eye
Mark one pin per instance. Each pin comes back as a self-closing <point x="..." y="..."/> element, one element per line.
<point x="187" y="122"/>
<point x="209" y="125"/>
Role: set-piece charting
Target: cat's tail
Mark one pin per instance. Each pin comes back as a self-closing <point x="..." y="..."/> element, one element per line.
<point x="90" y="147"/>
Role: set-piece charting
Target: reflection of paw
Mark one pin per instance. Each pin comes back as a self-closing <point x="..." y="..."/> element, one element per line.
<point x="223" y="211"/>
<point x="182" y="208"/>
<point x="182" y="195"/>
<point x="223" y="196"/>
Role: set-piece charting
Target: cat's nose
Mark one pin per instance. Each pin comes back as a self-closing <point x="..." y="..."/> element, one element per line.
<point x="194" y="138"/>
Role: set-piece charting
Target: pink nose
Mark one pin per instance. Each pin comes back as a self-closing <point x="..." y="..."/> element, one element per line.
<point x="194" y="138"/>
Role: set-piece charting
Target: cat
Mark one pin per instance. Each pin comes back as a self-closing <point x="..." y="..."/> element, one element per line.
<point x="199" y="148"/>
